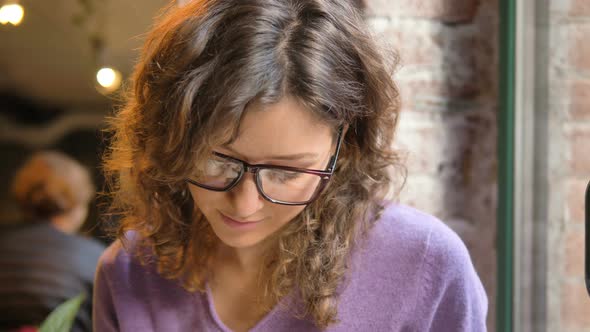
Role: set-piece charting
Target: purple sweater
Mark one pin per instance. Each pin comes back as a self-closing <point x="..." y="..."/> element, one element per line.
<point x="413" y="274"/>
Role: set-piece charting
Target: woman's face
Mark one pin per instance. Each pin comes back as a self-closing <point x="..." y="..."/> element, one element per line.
<point x="283" y="134"/>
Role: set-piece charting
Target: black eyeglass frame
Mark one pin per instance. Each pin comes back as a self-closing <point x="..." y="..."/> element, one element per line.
<point x="325" y="175"/>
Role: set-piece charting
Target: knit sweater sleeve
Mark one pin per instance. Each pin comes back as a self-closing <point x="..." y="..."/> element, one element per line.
<point x="452" y="297"/>
<point x="104" y="318"/>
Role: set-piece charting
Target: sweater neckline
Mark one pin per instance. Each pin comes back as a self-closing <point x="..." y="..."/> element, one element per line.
<point x="217" y="320"/>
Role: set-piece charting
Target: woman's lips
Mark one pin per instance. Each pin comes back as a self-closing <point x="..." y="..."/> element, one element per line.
<point x="237" y="224"/>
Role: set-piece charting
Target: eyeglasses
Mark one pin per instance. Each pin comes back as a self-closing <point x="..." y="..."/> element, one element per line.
<point x="277" y="184"/>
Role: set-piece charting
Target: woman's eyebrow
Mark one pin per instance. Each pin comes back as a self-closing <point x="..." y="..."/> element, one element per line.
<point x="295" y="156"/>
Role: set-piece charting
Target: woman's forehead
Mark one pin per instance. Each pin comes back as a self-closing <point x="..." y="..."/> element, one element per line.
<point x="286" y="110"/>
<point x="285" y="128"/>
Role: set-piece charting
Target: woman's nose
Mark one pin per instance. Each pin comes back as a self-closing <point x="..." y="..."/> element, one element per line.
<point x="245" y="196"/>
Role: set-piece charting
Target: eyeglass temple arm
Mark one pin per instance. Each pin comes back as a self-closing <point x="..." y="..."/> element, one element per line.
<point x="335" y="156"/>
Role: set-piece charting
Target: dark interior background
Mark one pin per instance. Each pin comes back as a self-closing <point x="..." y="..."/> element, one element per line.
<point x="48" y="95"/>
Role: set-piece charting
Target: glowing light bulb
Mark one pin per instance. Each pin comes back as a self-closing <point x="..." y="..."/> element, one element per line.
<point x="109" y="79"/>
<point x="12" y="13"/>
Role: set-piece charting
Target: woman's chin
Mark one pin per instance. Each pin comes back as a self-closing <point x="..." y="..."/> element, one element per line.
<point x="237" y="240"/>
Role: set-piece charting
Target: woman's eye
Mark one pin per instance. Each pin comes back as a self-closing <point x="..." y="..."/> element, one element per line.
<point x="214" y="167"/>
<point x="220" y="167"/>
<point x="282" y="176"/>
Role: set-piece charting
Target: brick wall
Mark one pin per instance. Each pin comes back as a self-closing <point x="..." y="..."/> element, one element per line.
<point x="448" y="80"/>
<point x="569" y="90"/>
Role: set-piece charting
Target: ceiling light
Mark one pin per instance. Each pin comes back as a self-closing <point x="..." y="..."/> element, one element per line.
<point x="11" y="12"/>
<point x="109" y="79"/>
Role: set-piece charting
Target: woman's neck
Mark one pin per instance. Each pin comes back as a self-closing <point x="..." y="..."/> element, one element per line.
<point x="245" y="261"/>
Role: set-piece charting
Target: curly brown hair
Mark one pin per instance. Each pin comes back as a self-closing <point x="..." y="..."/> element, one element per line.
<point x="201" y="65"/>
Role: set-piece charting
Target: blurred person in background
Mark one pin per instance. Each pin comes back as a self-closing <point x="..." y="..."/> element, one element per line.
<point x="43" y="262"/>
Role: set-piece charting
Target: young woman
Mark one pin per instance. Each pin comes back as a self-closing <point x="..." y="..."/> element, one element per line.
<point x="250" y="164"/>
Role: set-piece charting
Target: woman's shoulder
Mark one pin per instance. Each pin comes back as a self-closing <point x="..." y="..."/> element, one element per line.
<point x="121" y="255"/>
<point x="129" y="295"/>
<point x="418" y="265"/>
<point x="131" y="265"/>
<point x="405" y="235"/>
<point x="400" y="223"/>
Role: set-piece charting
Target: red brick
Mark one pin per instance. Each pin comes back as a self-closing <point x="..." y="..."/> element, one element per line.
<point x="580" y="153"/>
<point x="574" y="253"/>
<point x="423" y="90"/>
<point x="422" y="146"/>
<point x="580" y="101"/>
<point x="414" y="46"/>
<point x="462" y="70"/>
<point x="579" y="50"/>
<point x="575" y="305"/>
<point x="448" y="11"/>
<point x="459" y="77"/>
<point x="575" y="200"/>
<point x="579" y="8"/>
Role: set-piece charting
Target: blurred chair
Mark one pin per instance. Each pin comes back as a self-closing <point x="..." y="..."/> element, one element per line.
<point x="43" y="262"/>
